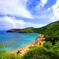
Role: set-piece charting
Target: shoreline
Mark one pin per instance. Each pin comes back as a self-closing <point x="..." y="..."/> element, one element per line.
<point x="38" y="42"/>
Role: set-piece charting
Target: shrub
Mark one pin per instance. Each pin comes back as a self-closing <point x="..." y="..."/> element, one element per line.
<point x="36" y="53"/>
<point x="48" y="45"/>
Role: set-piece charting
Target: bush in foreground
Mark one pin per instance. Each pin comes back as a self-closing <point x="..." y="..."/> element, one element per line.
<point x="36" y="53"/>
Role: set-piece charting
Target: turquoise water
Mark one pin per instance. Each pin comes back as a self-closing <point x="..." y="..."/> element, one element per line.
<point x="13" y="41"/>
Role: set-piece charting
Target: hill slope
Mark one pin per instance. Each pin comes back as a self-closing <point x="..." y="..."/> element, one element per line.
<point x="48" y="29"/>
<point x="51" y="31"/>
<point x="49" y="50"/>
<point x="25" y="30"/>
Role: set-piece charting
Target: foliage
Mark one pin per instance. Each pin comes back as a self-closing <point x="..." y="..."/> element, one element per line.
<point x="28" y="30"/>
<point x="4" y="55"/>
<point x="42" y="53"/>
<point x="36" y="53"/>
<point x="2" y="46"/>
<point x="48" y="45"/>
<point x="50" y="50"/>
<point x="51" y="29"/>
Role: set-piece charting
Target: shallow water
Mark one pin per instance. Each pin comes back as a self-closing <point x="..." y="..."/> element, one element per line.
<point x="13" y="41"/>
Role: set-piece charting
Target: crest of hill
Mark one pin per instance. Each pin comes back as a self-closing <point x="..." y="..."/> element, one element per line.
<point x="52" y="28"/>
<point x="25" y="30"/>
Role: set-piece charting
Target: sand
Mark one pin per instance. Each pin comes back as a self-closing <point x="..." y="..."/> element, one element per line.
<point x="38" y="42"/>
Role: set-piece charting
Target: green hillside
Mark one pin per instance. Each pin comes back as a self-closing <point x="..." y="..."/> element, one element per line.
<point x="25" y="30"/>
<point x="51" y="31"/>
<point x="50" y="49"/>
<point x="52" y="28"/>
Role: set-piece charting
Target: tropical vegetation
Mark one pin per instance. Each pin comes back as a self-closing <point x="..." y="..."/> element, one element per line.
<point x="49" y="50"/>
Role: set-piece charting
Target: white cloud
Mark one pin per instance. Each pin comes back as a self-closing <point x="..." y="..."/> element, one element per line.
<point x="29" y="24"/>
<point x="41" y="3"/>
<point x="48" y="9"/>
<point x="15" y="7"/>
<point x="23" y="24"/>
<point x="40" y="16"/>
<point x="9" y="23"/>
<point x="53" y="19"/>
<point x="55" y="5"/>
<point x="55" y="9"/>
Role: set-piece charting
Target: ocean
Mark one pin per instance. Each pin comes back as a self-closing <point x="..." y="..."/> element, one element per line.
<point x="13" y="40"/>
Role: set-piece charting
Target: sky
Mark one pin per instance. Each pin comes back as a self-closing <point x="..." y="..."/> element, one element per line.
<point x="27" y="13"/>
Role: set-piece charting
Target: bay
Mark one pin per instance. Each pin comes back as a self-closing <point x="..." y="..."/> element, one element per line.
<point x="13" y="41"/>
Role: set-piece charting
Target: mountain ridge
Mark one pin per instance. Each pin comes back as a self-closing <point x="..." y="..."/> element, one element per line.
<point x="48" y="29"/>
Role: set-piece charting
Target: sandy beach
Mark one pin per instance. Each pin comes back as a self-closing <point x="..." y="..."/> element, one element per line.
<point x="38" y="42"/>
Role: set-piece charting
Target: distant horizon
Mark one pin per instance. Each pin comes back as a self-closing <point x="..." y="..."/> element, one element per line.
<point x="26" y="27"/>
